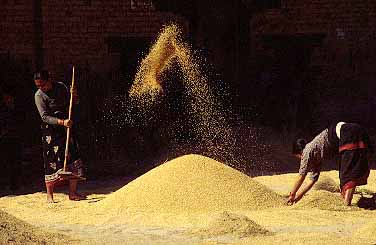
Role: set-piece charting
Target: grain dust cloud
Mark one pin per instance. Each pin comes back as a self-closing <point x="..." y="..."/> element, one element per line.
<point x="173" y="96"/>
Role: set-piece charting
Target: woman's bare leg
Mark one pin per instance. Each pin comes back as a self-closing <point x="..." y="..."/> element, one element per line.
<point x="50" y="192"/>
<point x="349" y="193"/>
<point x="73" y="195"/>
<point x="72" y="189"/>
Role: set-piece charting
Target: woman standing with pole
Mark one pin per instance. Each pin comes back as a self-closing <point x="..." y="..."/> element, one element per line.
<point x="52" y="100"/>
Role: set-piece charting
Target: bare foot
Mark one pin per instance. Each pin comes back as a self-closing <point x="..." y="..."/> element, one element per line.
<point x="76" y="197"/>
<point x="50" y="200"/>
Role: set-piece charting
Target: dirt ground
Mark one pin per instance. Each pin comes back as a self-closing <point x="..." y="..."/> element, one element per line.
<point x="319" y="218"/>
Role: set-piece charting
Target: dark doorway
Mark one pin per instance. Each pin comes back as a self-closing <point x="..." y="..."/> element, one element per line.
<point x="288" y="94"/>
<point x="131" y="50"/>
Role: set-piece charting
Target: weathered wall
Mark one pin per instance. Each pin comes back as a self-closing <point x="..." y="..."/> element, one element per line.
<point x="76" y="33"/>
<point x="17" y="29"/>
<point x="341" y="68"/>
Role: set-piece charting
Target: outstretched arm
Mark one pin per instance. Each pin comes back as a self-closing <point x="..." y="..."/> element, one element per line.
<point x="297" y="185"/>
<point x="304" y="190"/>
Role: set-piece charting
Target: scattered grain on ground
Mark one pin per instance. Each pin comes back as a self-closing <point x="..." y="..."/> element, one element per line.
<point x="231" y="224"/>
<point x="16" y="231"/>
<point x="90" y="222"/>
<point x="367" y="230"/>
<point x="326" y="183"/>
<point x="324" y="200"/>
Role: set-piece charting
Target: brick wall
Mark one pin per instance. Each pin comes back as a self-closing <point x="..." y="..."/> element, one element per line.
<point x="17" y="29"/>
<point x="342" y="67"/>
<point x="76" y="33"/>
<point x="349" y="26"/>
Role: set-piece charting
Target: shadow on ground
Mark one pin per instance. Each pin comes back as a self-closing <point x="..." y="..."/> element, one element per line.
<point x="368" y="203"/>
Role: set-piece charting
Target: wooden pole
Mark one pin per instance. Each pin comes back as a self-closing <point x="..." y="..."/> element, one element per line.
<point x="70" y="118"/>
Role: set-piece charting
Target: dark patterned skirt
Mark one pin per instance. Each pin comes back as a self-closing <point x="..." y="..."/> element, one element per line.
<point x="353" y="148"/>
<point x="53" y="141"/>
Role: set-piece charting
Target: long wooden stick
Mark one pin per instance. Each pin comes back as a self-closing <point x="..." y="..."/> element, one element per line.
<point x="69" y="117"/>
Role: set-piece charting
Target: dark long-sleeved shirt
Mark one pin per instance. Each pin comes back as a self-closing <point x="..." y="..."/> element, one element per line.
<point x="53" y="105"/>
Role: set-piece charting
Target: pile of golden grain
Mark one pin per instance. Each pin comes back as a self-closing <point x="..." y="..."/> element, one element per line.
<point x="15" y="231"/>
<point x="323" y="200"/>
<point x="226" y="223"/>
<point x="188" y="185"/>
<point x="326" y="183"/>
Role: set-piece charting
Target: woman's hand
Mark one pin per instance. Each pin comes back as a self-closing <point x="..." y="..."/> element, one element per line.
<point x="291" y="199"/>
<point x="65" y="122"/>
<point x="68" y="123"/>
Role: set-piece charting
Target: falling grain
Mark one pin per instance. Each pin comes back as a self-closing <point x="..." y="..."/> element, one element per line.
<point x="205" y="113"/>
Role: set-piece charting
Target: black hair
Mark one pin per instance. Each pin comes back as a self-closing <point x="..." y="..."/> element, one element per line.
<point x="298" y="146"/>
<point x="42" y="75"/>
